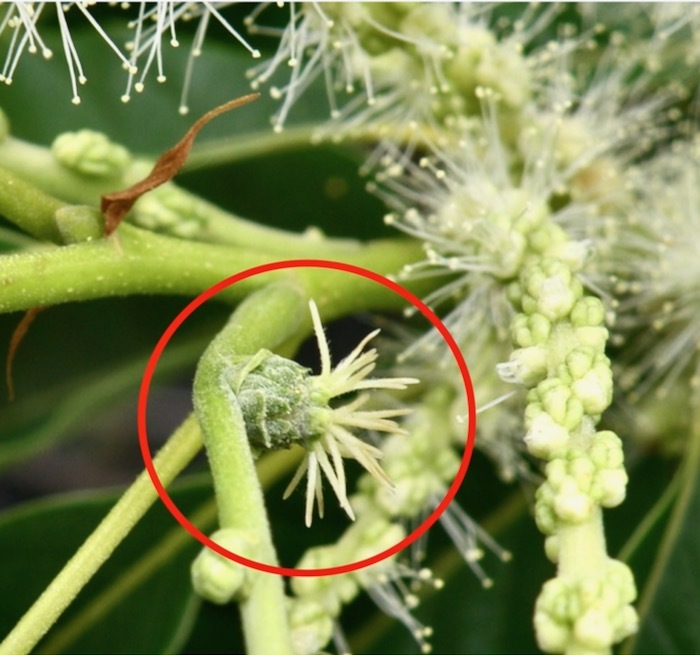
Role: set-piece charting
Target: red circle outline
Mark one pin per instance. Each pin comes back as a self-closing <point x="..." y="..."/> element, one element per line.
<point x="303" y="263"/>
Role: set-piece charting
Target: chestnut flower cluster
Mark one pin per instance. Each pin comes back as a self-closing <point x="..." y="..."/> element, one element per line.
<point x="544" y="167"/>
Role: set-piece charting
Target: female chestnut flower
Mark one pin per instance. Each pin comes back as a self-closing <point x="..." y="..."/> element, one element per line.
<point x="283" y="404"/>
<point x="334" y="437"/>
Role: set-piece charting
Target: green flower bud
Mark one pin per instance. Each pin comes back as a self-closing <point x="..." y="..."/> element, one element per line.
<point x="592" y="337"/>
<point x="90" y="153"/>
<point x="552" y="637"/>
<point x="533" y="330"/>
<point x="219" y="579"/>
<point x="606" y="451"/>
<point x="527" y="366"/>
<point x="559" y="401"/>
<point x="574" y="253"/>
<point x="571" y="504"/>
<point x="593" y="630"/>
<point x="610" y="487"/>
<point x="545" y="437"/>
<point x="169" y="210"/>
<point x="583" y="471"/>
<point x="595" y="389"/>
<point x="557" y="297"/>
<point x="330" y="591"/>
<point x="311" y="626"/>
<point x="579" y="361"/>
<point x="545" y="517"/>
<point x="551" y="548"/>
<point x="588" y="312"/>
<point x="546" y="239"/>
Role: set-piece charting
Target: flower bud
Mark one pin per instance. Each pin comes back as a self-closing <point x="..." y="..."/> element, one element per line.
<point x="217" y="578"/>
<point x="90" y="153"/>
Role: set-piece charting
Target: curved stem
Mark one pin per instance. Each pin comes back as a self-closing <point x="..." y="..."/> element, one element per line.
<point x="267" y="319"/>
<point x="170" y="460"/>
<point x="270" y="469"/>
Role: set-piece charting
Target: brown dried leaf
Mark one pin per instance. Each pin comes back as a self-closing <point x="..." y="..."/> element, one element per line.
<point x="117" y="205"/>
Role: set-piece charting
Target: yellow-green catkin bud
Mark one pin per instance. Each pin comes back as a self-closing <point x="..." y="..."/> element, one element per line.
<point x="170" y="210"/>
<point x="560" y="358"/>
<point x="90" y="153"/>
<point x="217" y="578"/>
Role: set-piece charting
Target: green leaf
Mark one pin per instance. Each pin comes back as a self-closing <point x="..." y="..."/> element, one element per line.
<point x="317" y="186"/>
<point x="66" y="380"/>
<point x="140" y="601"/>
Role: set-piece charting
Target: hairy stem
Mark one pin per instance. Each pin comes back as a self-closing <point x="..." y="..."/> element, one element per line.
<point x="141" y="262"/>
<point x="270" y="469"/>
<point x="267" y="319"/>
<point x="29" y="208"/>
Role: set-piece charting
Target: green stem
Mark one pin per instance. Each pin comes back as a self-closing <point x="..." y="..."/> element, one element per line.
<point x="24" y="162"/>
<point x="270" y="470"/>
<point x="222" y="227"/>
<point x="652" y="518"/>
<point x="30" y="209"/>
<point x="170" y="460"/>
<point x="130" y="579"/>
<point x="140" y="262"/>
<point x="268" y="319"/>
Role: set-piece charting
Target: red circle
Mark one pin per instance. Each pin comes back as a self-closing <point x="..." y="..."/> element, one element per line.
<point x="311" y="263"/>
